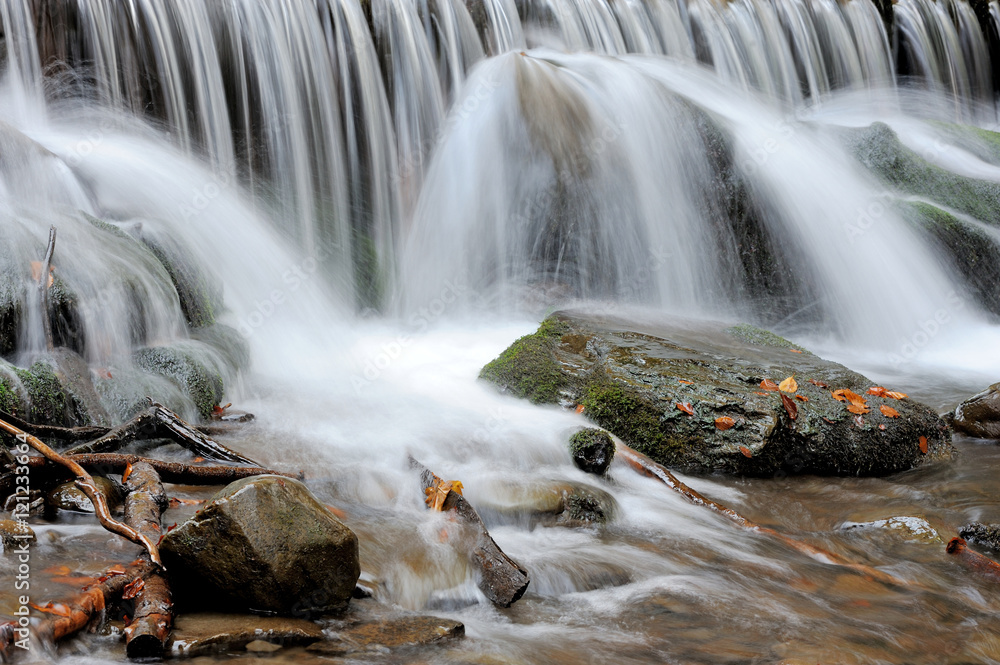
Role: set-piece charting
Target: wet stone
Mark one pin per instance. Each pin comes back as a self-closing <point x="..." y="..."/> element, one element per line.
<point x="14" y="534"/>
<point x="592" y="450"/>
<point x="979" y="416"/>
<point x="982" y="534"/>
<point x="389" y="634"/>
<point x="207" y="633"/>
<point x="912" y="529"/>
<point x="68" y="496"/>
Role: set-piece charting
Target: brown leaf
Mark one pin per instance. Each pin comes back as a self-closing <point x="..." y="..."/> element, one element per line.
<point x="845" y="395"/>
<point x="58" y="609"/>
<point x="888" y="411"/>
<point x="116" y="570"/>
<point x="438" y="493"/>
<point x="724" y="422"/>
<point x="794" y="350"/>
<point x="197" y="460"/>
<point x="895" y="395"/>
<point x="857" y="408"/>
<point x="923" y="445"/>
<point x="686" y="408"/>
<point x="793" y="411"/>
<point x="760" y="393"/>
<point x="685" y="382"/>
<point x="878" y="391"/>
<point x="768" y="384"/>
<point x="128" y="472"/>
<point x="579" y="408"/>
<point x="802" y="398"/>
<point x="133" y="588"/>
<point x="788" y="385"/>
<point x="819" y="384"/>
<point x="746" y="451"/>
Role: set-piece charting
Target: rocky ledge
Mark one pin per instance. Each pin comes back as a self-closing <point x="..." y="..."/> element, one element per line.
<point x="703" y="397"/>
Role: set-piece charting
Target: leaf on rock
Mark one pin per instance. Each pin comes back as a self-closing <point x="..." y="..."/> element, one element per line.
<point x="116" y="570"/>
<point x="768" y="384"/>
<point x="888" y="411"/>
<point x="795" y="350"/>
<point x="133" y="588"/>
<point x="760" y="393"/>
<point x="685" y="382"/>
<point x="438" y="493"/>
<point x="882" y="427"/>
<point x="788" y="385"/>
<point x="793" y="411"/>
<point x="923" y="445"/>
<point x="724" y="422"/>
<point x="802" y="398"/>
<point x="579" y="408"/>
<point x="819" y="384"/>
<point x="857" y="408"/>
<point x="845" y="395"/>
<point x="894" y="395"/>
<point x="686" y="408"/>
<point x="746" y="451"/>
<point x="878" y="391"/>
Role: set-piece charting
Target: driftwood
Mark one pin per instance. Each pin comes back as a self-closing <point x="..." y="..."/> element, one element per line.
<point x="648" y="467"/>
<point x="86" y="483"/>
<point x="158" y="419"/>
<point x="502" y="579"/>
<point x="983" y="565"/>
<point x="53" y="431"/>
<point x="147" y="634"/>
<point x="43" y="288"/>
<point x="169" y="472"/>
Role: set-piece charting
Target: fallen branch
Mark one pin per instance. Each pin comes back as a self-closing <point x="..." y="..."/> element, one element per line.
<point x="86" y="483"/>
<point x="502" y="579"/>
<point x="147" y="634"/>
<point x="43" y="288"/>
<point x="648" y="467"/>
<point x="53" y="431"/>
<point x="983" y="565"/>
<point x="169" y="472"/>
<point x="158" y="419"/>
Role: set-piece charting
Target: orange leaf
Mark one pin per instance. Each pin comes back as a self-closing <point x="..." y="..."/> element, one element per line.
<point x="171" y="527"/>
<point x="802" y="398"/>
<point x="819" y="384"/>
<point x="724" y="422"/>
<point x="788" y="385"/>
<point x="579" y="408"/>
<point x="838" y="395"/>
<point x="923" y="445"/>
<point x="196" y="460"/>
<point x="794" y="350"/>
<point x="768" y="384"/>
<point x="878" y="391"/>
<point x="845" y="395"/>
<point x="686" y="408"/>
<point x="58" y="609"/>
<point x="115" y="570"/>
<point x="888" y="411"/>
<point x="746" y="451"/>
<point x="133" y="588"/>
<point x="857" y="408"/>
<point x="58" y="570"/>
<point x="36" y="272"/>
<point x="338" y="513"/>
<point x="793" y="411"/>
<point x="882" y="427"/>
<point x="128" y="472"/>
<point x="895" y="395"/>
<point x="177" y="501"/>
<point x="438" y="494"/>
<point x="760" y="393"/>
<point x="685" y="382"/>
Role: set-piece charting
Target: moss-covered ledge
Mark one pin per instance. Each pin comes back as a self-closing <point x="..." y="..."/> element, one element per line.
<point x="630" y="377"/>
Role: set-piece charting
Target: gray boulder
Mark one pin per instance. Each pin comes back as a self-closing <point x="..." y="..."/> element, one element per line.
<point x="979" y="416"/>
<point x="265" y="544"/>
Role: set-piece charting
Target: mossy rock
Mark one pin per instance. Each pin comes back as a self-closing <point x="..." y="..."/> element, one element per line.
<point x="973" y="253"/>
<point x="203" y="384"/>
<point x="630" y="377"/>
<point x="592" y="450"/>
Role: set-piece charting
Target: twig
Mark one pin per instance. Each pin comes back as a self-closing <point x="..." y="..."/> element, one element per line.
<point x="170" y="472"/>
<point x="648" y="467"/>
<point x="43" y="288"/>
<point x="149" y="630"/>
<point x="86" y="483"/>
<point x="983" y="565"/>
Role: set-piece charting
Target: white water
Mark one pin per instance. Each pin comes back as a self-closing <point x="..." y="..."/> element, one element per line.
<point x="454" y="168"/>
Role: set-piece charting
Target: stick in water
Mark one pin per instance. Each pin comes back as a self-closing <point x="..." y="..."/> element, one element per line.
<point x="43" y="288"/>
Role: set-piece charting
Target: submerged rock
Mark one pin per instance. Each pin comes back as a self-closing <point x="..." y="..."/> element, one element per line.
<point x="394" y="633"/>
<point x="559" y="503"/>
<point x="914" y="529"/>
<point x="982" y="534"/>
<point x="264" y="544"/>
<point x="14" y="533"/>
<point x="592" y="450"/>
<point x="206" y="633"/>
<point x="637" y="378"/>
<point x="979" y="416"/>
<point x="68" y="496"/>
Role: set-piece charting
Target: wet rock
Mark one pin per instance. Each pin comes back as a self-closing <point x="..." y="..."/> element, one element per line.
<point x="979" y="416"/>
<point x="379" y="635"/>
<point x="181" y="364"/>
<point x="206" y="633"/>
<point x="260" y="646"/>
<point x="982" y="534"/>
<point x="264" y="544"/>
<point x="913" y="529"/>
<point x="630" y="375"/>
<point x="549" y="504"/>
<point x="68" y="496"/>
<point x="74" y="376"/>
<point x="14" y="534"/>
<point x="592" y="450"/>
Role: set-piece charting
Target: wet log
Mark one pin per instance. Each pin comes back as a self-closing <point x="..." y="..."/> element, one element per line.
<point x="648" y="467"/>
<point x="982" y="565"/>
<point x="43" y="288"/>
<point x="158" y="420"/>
<point x="147" y="634"/>
<point x="54" y="431"/>
<point x="169" y="472"/>
<point x="502" y="579"/>
<point x="86" y="483"/>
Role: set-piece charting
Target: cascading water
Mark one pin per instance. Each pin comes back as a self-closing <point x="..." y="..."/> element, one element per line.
<point x="375" y="198"/>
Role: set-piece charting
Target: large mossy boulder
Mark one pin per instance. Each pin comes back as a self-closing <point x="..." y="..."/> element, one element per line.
<point x="54" y="390"/>
<point x="186" y="366"/>
<point x="630" y="376"/>
<point x="264" y="544"/>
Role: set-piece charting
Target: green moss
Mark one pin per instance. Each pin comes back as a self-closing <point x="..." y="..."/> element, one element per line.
<point x="203" y="386"/>
<point x="46" y="397"/>
<point x="632" y="419"/>
<point x="760" y="337"/>
<point x="527" y="368"/>
<point x="10" y="402"/>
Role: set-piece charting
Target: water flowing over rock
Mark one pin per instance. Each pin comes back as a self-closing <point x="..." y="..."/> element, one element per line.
<point x="979" y="415"/>
<point x="592" y="450"/>
<point x="663" y="389"/>
<point x="264" y="544"/>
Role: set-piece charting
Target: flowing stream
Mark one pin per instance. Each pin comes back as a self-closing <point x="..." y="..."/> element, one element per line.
<point x="382" y="196"/>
